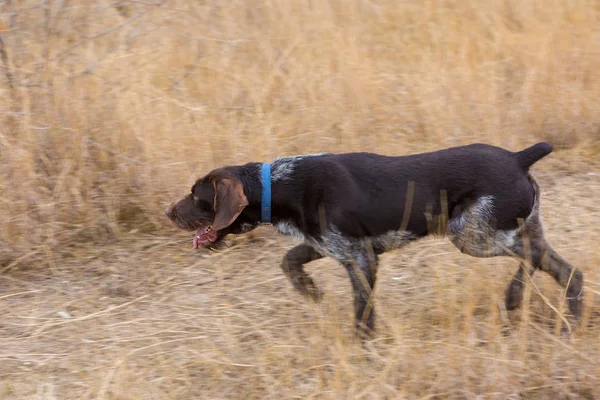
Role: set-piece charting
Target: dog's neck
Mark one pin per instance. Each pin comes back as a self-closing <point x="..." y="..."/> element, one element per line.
<point x="265" y="203"/>
<point x="250" y="177"/>
<point x="252" y="181"/>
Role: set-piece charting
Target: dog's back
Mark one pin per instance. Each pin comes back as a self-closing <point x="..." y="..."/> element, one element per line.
<point x="374" y="189"/>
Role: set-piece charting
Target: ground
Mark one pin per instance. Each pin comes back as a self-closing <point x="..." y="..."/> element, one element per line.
<point x="110" y="109"/>
<point x="149" y="318"/>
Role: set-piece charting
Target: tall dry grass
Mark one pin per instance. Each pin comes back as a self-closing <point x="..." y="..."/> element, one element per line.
<point x="111" y="108"/>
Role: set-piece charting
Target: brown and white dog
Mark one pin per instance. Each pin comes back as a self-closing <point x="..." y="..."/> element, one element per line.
<point x="355" y="206"/>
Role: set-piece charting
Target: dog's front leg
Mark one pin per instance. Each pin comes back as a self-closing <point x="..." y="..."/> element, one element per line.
<point x="362" y="269"/>
<point x="293" y="267"/>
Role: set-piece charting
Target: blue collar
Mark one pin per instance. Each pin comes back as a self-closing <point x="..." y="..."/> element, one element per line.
<point x="265" y="206"/>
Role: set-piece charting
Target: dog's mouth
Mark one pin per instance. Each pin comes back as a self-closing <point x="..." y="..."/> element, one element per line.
<point x="204" y="235"/>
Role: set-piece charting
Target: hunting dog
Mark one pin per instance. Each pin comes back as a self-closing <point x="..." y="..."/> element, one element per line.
<point x="355" y="206"/>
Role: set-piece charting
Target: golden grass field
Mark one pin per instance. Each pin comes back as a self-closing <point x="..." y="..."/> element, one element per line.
<point x="111" y="109"/>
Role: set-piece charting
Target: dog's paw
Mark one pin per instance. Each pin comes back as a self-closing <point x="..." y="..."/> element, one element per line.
<point x="363" y="332"/>
<point x="306" y="286"/>
<point x="315" y="294"/>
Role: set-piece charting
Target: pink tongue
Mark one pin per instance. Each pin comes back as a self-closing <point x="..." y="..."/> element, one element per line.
<point x="203" y="237"/>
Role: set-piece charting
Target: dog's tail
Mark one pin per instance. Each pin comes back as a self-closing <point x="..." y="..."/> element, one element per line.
<point x="526" y="158"/>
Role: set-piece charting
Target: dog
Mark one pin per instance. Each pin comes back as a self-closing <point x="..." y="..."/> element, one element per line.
<point x="353" y="207"/>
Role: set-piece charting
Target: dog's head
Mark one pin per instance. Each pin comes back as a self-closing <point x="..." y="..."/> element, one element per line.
<point x="212" y="208"/>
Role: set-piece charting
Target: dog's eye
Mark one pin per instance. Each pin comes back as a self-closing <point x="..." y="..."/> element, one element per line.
<point x="203" y="205"/>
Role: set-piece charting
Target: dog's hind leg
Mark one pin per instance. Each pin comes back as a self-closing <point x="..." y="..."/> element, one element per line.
<point x="471" y="230"/>
<point x="293" y="267"/>
<point x="532" y="246"/>
<point x="514" y="291"/>
<point x="535" y="252"/>
<point x="544" y="257"/>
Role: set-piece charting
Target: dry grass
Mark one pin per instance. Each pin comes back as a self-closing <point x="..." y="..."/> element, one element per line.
<point x="110" y="109"/>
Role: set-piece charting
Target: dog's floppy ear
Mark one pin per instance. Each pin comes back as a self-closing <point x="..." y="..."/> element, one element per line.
<point x="229" y="202"/>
